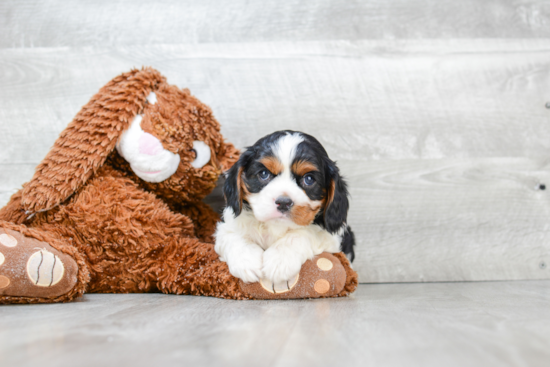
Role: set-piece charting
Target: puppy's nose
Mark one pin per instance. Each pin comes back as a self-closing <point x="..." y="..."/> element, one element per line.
<point x="284" y="203"/>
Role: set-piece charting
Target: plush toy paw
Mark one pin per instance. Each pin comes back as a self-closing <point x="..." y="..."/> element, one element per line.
<point x="323" y="276"/>
<point x="32" y="268"/>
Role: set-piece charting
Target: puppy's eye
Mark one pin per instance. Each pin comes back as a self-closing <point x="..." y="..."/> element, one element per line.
<point x="308" y="180"/>
<point x="264" y="175"/>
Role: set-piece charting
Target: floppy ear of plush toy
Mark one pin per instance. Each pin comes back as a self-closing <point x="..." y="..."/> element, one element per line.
<point x="116" y="206"/>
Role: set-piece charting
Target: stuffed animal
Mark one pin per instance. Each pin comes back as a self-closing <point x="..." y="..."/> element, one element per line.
<point x="116" y="206"/>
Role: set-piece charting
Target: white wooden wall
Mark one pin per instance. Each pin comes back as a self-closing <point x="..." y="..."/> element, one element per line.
<point x="434" y="109"/>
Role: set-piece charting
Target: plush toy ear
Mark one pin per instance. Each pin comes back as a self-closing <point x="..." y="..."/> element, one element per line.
<point x="228" y="157"/>
<point x="85" y="144"/>
<point x="234" y="188"/>
<point x="337" y="203"/>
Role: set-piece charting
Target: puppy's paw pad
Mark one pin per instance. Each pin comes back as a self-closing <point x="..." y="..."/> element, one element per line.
<point x="2" y="258"/>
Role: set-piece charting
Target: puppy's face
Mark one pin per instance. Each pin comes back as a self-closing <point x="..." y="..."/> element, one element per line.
<point x="288" y="176"/>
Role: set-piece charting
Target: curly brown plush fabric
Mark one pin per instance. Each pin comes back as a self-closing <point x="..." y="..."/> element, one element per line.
<point x="126" y="234"/>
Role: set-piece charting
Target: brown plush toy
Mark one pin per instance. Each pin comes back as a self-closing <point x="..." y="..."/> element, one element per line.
<point x="115" y="206"/>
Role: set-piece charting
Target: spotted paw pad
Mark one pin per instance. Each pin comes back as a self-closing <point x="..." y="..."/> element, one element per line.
<point x="4" y="281"/>
<point x="8" y="240"/>
<point x="323" y="276"/>
<point x="45" y="269"/>
<point x="33" y="268"/>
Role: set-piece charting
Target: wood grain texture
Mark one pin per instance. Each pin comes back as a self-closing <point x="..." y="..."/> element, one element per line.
<point x="385" y="325"/>
<point x="450" y="219"/>
<point x="54" y="23"/>
<point x="379" y="100"/>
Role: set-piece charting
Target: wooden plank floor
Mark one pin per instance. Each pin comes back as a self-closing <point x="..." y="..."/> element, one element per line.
<point x="430" y="324"/>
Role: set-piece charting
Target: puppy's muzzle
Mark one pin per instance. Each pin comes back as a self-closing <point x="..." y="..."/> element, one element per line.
<point x="284" y="203"/>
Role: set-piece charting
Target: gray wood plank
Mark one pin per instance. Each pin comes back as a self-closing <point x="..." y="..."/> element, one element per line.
<point x="378" y="100"/>
<point x="438" y="324"/>
<point x="12" y="176"/>
<point x="53" y="23"/>
<point x="450" y="219"/>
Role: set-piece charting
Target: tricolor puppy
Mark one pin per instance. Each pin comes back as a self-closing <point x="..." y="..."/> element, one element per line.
<point x="286" y="203"/>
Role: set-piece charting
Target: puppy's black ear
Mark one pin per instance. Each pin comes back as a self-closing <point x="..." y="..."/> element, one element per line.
<point x="337" y="203"/>
<point x="234" y="185"/>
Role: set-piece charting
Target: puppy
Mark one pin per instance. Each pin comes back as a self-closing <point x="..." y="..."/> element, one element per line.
<point x="286" y="203"/>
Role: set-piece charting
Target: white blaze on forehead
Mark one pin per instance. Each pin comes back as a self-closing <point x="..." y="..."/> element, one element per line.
<point x="285" y="149"/>
<point x="284" y="183"/>
<point x="147" y="158"/>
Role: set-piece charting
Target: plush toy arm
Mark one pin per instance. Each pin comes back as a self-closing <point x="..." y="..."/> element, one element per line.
<point x="88" y="140"/>
<point x="204" y="218"/>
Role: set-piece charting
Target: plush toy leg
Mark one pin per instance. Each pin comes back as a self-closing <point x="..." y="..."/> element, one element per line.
<point x="326" y="275"/>
<point x="192" y="267"/>
<point x="36" y="268"/>
<point x="196" y="269"/>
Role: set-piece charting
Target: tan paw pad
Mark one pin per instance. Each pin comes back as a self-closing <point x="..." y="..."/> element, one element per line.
<point x="324" y="264"/>
<point x="2" y="258"/>
<point x="321" y="286"/>
<point x="4" y="282"/>
<point x="45" y="269"/>
<point x="8" y="240"/>
<point x="279" y="287"/>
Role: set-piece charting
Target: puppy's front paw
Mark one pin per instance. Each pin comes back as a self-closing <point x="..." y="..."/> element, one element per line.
<point x="248" y="266"/>
<point x="280" y="266"/>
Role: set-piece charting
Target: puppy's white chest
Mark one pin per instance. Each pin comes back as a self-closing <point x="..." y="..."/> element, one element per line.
<point x="269" y="234"/>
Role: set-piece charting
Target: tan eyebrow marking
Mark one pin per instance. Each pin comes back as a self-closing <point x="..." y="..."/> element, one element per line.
<point x="300" y="168"/>
<point x="272" y="164"/>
